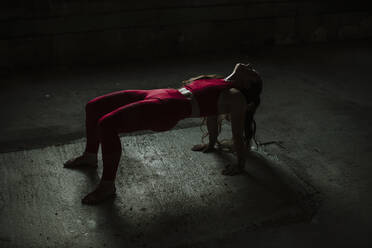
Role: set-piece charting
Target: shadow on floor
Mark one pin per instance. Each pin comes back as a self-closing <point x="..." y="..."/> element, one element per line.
<point x="236" y="210"/>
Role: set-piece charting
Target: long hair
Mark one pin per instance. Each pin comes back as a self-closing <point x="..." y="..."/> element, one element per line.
<point x="204" y="119"/>
<point x="252" y="96"/>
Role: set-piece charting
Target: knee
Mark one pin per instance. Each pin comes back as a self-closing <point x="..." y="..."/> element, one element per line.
<point x="108" y="135"/>
<point x="105" y="126"/>
<point x="90" y="106"/>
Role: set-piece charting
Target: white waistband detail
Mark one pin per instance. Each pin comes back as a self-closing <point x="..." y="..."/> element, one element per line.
<point x="185" y="91"/>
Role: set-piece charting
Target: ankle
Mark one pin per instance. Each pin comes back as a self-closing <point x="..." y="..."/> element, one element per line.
<point x="90" y="155"/>
<point x="107" y="184"/>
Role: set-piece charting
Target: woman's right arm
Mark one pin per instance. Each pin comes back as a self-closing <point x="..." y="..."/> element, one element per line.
<point x="212" y="127"/>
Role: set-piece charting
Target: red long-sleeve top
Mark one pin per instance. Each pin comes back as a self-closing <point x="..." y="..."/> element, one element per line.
<point x="206" y="91"/>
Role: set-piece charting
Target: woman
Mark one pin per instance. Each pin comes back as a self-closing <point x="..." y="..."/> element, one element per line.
<point x="208" y="96"/>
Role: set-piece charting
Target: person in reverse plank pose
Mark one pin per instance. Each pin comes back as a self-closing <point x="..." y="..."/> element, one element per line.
<point x="236" y="97"/>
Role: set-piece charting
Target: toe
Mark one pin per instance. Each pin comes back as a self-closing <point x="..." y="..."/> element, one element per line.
<point x="89" y="199"/>
<point x="79" y="162"/>
<point x="68" y="163"/>
<point x="96" y="197"/>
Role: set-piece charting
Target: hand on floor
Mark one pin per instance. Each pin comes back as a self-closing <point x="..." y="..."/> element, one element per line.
<point x="232" y="170"/>
<point x="205" y="148"/>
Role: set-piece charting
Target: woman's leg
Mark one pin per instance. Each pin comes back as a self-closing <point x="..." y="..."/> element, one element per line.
<point x="99" y="106"/>
<point x="94" y="110"/>
<point x="141" y="115"/>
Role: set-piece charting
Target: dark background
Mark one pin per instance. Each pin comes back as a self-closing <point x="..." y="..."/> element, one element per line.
<point x="315" y="61"/>
<point x="49" y="32"/>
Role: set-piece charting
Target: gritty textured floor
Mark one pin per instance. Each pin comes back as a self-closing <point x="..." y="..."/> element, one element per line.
<point x="316" y="100"/>
<point x="164" y="198"/>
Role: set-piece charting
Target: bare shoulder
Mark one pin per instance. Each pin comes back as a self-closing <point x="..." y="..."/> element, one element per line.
<point x="233" y="99"/>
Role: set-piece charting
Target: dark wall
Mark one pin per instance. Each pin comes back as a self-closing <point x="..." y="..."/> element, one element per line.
<point x="57" y="32"/>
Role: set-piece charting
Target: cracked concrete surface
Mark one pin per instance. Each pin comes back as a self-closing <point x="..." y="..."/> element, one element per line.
<point x="316" y="100"/>
<point x="167" y="196"/>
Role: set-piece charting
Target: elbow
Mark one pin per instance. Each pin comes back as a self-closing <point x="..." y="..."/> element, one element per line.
<point x="238" y="141"/>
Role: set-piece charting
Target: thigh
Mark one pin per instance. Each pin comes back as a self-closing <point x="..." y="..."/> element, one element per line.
<point x="148" y="114"/>
<point x="111" y="101"/>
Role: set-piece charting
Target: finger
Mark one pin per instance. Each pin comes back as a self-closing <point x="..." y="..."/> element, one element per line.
<point x="194" y="148"/>
<point x="197" y="147"/>
<point x="226" y="170"/>
<point x="232" y="170"/>
<point x="207" y="150"/>
<point x="236" y="171"/>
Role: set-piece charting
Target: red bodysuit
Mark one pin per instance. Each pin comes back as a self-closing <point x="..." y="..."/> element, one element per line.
<point x="132" y="110"/>
<point x="206" y="92"/>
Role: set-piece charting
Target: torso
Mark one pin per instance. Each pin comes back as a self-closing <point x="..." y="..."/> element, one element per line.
<point x="223" y="105"/>
<point x="226" y="101"/>
<point x="194" y="103"/>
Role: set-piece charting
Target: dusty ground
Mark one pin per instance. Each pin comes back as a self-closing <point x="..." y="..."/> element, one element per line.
<point x="316" y="100"/>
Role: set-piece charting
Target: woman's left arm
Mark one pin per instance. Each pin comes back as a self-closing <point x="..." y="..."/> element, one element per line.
<point x="237" y="114"/>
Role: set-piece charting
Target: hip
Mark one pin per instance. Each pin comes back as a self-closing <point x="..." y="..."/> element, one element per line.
<point x="172" y="100"/>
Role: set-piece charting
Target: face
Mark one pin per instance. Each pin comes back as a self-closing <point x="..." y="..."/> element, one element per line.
<point x="242" y="76"/>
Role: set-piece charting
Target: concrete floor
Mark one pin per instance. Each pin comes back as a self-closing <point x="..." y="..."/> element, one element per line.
<point x="164" y="198"/>
<point x="316" y="100"/>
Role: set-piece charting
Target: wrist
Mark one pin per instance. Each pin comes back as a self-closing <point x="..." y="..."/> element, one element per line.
<point x="212" y="142"/>
<point x="211" y="145"/>
<point x="241" y="162"/>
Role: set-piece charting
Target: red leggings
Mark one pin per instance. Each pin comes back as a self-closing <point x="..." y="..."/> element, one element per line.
<point x="127" y="111"/>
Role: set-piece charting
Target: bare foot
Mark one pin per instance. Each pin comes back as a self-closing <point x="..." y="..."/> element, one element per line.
<point x="88" y="160"/>
<point x="100" y="194"/>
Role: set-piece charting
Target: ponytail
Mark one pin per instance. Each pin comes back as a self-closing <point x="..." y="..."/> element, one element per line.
<point x="250" y="125"/>
<point x="252" y="96"/>
<point x="184" y="82"/>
